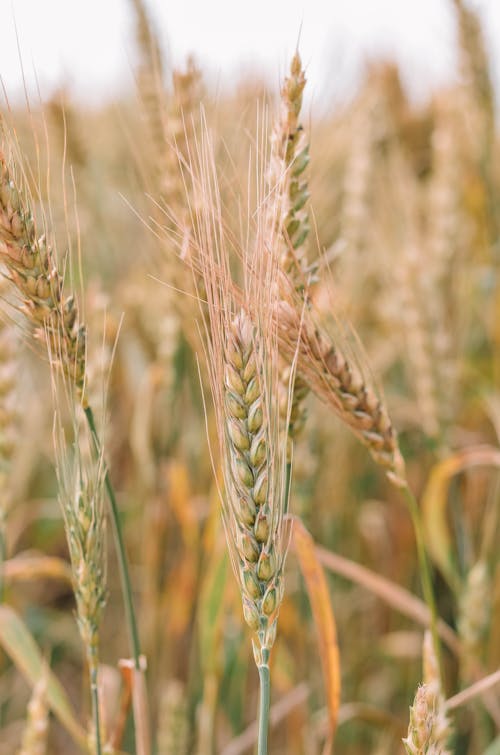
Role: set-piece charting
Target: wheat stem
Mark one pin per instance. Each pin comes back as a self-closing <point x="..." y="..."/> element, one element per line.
<point x="3" y="554"/>
<point x="140" y="697"/>
<point x="120" y="549"/>
<point x="425" y="570"/>
<point x="94" y="696"/>
<point x="264" y="703"/>
<point x="140" y="713"/>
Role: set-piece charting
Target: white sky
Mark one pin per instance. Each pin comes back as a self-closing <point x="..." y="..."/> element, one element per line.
<point x="89" y="44"/>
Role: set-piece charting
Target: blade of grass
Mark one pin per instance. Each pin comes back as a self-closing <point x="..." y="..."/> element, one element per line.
<point x="20" y="646"/>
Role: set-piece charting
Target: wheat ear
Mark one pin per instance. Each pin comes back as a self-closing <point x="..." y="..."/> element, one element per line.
<point x="81" y="496"/>
<point x="429" y="727"/>
<point x="258" y="564"/>
<point x="339" y="383"/>
<point x="32" y="267"/>
<point x="288" y="219"/>
<point x="150" y="76"/>
<point x="242" y="360"/>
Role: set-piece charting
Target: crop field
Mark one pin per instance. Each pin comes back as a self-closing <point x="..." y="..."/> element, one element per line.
<point x="250" y="415"/>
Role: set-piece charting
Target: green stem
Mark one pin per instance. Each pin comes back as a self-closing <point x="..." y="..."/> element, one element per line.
<point x="425" y="570"/>
<point x="94" y="695"/>
<point x="120" y="550"/>
<point x="3" y="555"/>
<point x="265" y="698"/>
<point x="288" y="481"/>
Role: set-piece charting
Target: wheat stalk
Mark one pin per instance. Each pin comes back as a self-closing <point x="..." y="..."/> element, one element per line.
<point x="81" y="497"/>
<point x="243" y="364"/>
<point x="32" y="267"/>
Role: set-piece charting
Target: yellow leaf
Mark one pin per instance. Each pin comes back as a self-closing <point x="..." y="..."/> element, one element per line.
<point x="324" y="619"/>
<point x="26" y="566"/>
<point x="435" y="498"/>
<point x="182" y="502"/>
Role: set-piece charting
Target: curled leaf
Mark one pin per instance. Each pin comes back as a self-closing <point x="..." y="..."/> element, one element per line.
<point x="434" y="502"/>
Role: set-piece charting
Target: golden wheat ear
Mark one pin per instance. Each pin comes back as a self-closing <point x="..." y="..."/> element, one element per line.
<point x="242" y="358"/>
<point x="338" y="381"/>
<point x="287" y="221"/>
<point x="32" y="267"/>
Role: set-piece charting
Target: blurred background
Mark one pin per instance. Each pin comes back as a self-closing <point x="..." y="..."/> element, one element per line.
<point x="89" y="47"/>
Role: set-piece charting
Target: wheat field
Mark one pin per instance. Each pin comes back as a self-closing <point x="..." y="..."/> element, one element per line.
<point x="250" y="415"/>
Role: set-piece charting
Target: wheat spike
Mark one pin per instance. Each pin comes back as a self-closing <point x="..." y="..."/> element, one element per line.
<point x="81" y="485"/>
<point x="242" y="358"/>
<point x="150" y="75"/>
<point x="357" y="184"/>
<point x="32" y="268"/>
<point x="429" y="728"/>
<point x="259" y="568"/>
<point x="340" y="384"/>
<point x="179" y="134"/>
<point x="288" y="219"/>
<point x="80" y="474"/>
<point x="286" y="180"/>
<point x="475" y="69"/>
